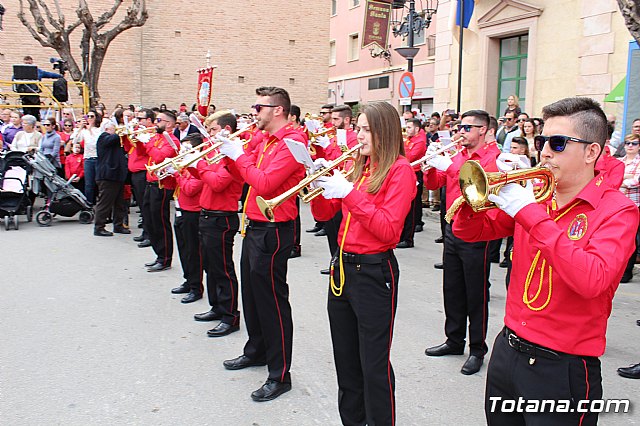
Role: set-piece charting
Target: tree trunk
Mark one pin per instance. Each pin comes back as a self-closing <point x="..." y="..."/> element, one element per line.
<point x="630" y="10"/>
<point x="97" y="59"/>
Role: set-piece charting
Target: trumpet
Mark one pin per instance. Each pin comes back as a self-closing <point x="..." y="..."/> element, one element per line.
<point x="141" y="135"/>
<point x="451" y="149"/>
<point x="304" y="188"/>
<point x="476" y="185"/>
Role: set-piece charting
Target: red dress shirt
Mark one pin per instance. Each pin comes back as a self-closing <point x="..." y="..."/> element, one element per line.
<point x="138" y="157"/>
<point x="189" y="189"/>
<point x="158" y="149"/>
<point x="270" y="170"/>
<point x="586" y="244"/>
<point x="612" y="167"/>
<point x="376" y="219"/>
<point x="415" y="148"/>
<point x="222" y="185"/>
<point x="333" y="151"/>
<point x="434" y="179"/>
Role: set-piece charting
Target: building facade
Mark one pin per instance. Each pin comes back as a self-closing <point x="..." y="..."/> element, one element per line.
<point x="157" y="63"/>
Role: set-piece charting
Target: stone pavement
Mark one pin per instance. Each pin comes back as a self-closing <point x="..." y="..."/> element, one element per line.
<point x="90" y="338"/>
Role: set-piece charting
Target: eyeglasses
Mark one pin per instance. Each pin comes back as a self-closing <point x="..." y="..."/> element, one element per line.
<point x="467" y="127"/>
<point x="632" y="143"/>
<point x="68" y="125"/>
<point x="557" y="143"/>
<point x="258" y="107"/>
<point x="141" y="118"/>
<point x="160" y="120"/>
<point x="49" y="124"/>
<point x="91" y="116"/>
<point x="522" y="120"/>
<point x="325" y="112"/>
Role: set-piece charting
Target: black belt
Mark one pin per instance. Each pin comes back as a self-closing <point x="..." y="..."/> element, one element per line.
<point x="216" y="213"/>
<point x="256" y="224"/>
<point x="152" y="183"/>
<point x="366" y="259"/>
<point x="531" y="349"/>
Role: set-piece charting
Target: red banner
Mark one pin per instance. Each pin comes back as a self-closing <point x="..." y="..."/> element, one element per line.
<point x="376" y="24"/>
<point x="205" y="81"/>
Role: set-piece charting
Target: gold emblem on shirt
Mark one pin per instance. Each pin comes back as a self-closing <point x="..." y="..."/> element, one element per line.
<point x="577" y="227"/>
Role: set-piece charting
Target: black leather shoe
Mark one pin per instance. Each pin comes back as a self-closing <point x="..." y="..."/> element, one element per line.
<point x="149" y="264"/>
<point x="404" y="244"/>
<point x="222" y="329"/>
<point x="626" y="277"/>
<point x="638" y="323"/>
<point x="321" y="233"/>
<point x="179" y="290"/>
<point x="443" y="349"/>
<point x="157" y="267"/>
<point x="435" y="208"/>
<point x="419" y="228"/>
<point x="314" y="229"/>
<point x="270" y="391"/>
<point x="632" y="372"/>
<point x="504" y="263"/>
<point x="207" y="316"/>
<point x="102" y="233"/>
<point x="439" y="240"/>
<point x="140" y="238"/>
<point x="191" y="297"/>
<point x="241" y="362"/>
<point x="438" y="265"/>
<point x="295" y="253"/>
<point x="472" y="365"/>
<point x="122" y="230"/>
<point x="145" y="243"/>
<point x="325" y="271"/>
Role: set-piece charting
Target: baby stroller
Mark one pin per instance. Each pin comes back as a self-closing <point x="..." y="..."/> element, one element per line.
<point x="62" y="198"/>
<point x="15" y="197"/>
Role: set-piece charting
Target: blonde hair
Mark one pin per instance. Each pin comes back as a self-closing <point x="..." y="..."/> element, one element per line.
<point x="214" y="117"/>
<point x="516" y="101"/>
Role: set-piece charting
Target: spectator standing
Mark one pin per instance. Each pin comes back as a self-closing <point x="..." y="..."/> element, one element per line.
<point x="50" y="143"/>
<point x="9" y="132"/>
<point x="27" y="139"/>
<point x="88" y="136"/>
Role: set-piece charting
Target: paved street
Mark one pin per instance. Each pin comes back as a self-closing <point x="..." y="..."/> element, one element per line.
<point x="90" y="338"/>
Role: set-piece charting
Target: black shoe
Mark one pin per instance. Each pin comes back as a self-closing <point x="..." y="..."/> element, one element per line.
<point x="145" y="243"/>
<point x="121" y="230"/>
<point x="270" y="390"/>
<point x="325" y="271"/>
<point x="638" y="323"/>
<point x="472" y="365"/>
<point x="314" y="229"/>
<point x="207" y="316"/>
<point x="222" y="329"/>
<point x="149" y="264"/>
<point x="157" y="267"/>
<point x="321" y="233"/>
<point x="419" y="228"/>
<point x="102" y="233"/>
<point x="241" y="362"/>
<point x="295" y="253"/>
<point x="443" y="349"/>
<point x="191" y="297"/>
<point x="140" y="238"/>
<point x="404" y="244"/>
<point x="632" y="372"/>
<point x="438" y="265"/>
<point x="494" y="260"/>
<point x="504" y="263"/>
<point x="436" y="208"/>
<point x="626" y="277"/>
<point x="108" y="220"/>
<point x="178" y="290"/>
<point x="439" y="240"/>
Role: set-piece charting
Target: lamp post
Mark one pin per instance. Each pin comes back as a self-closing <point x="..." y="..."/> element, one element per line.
<point x="413" y="23"/>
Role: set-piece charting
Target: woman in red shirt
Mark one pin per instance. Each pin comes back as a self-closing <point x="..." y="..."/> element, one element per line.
<point x="364" y="271"/>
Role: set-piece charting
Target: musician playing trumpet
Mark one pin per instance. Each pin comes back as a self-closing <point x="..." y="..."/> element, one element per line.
<point x="374" y="201"/>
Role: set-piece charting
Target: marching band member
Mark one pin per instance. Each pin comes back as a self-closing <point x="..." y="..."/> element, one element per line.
<point x="363" y="297"/>
<point x="219" y="223"/>
<point x="415" y="147"/>
<point x="294" y="118"/>
<point x="269" y="170"/>
<point x="466" y="267"/>
<point x="569" y="254"/>
<point x="158" y="195"/>
<point x="185" y="225"/>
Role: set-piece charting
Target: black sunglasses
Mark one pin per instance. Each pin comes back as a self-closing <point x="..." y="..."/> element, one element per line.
<point x="258" y="107"/>
<point x="467" y="127"/>
<point x="632" y="143"/>
<point x="556" y="142"/>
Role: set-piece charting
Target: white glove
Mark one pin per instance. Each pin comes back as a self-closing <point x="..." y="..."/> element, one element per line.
<point x="321" y="163"/>
<point x="230" y="148"/>
<point x="336" y="186"/>
<point x="507" y="162"/>
<point x="628" y="183"/>
<point x="440" y="162"/>
<point x="171" y="171"/>
<point x="323" y="141"/>
<point x="513" y="197"/>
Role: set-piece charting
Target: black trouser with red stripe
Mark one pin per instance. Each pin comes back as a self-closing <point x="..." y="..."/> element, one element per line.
<point x="217" y="231"/>
<point x="186" y="227"/>
<point x="332" y="228"/>
<point x="156" y="212"/>
<point x="414" y="217"/>
<point x="361" y="321"/>
<point x="138" y="186"/>
<point x="265" y="295"/>
<point x="512" y="375"/>
<point x="296" y="227"/>
<point x="466" y="292"/>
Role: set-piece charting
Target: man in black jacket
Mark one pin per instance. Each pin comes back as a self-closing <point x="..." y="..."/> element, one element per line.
<point x="110" y="176"/>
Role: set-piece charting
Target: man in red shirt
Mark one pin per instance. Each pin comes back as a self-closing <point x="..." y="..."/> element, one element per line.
<point x="466" y="267"/>
<point x="138" y="158"/>
<point x="270" y="170"/>
<point x="569" y="255"/>
<point x="415" y="146"/>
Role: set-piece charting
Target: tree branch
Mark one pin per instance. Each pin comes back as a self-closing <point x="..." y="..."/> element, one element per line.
<point x="55" y="24"/>
<point x="27" y="24"/>
<point x="106" y="17"/>
<point x="136" y="16"/>
<point x="60" y="14"/>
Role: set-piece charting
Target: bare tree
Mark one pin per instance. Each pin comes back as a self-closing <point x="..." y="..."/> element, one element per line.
<point x="630" y="10"/>
<point x="54" y="32"/>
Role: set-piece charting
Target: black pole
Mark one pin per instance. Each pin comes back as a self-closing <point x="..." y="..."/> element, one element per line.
<point x="461" y="15"/>
<point x="412" y="10"/>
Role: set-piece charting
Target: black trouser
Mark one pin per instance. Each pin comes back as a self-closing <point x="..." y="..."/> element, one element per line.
<point x="138" y="186"/>
<point x="156" y="212"/>
<point x="296" y="228"/>
<point x="217" y="231"/>
<point x="512" y="375"/>
<point x="494" y="250"/>
<point x="31" y="100"/>
<point x="332" y="227"/>
<point x="361" y="321"/>
<point x="186" y="227"/>
<point x="265" y="295"/>
<point x="414" y="217"/>
<point x="466" y="293"/>
<point x="507" y="257"/>
<point x="110" y="199"/>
